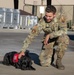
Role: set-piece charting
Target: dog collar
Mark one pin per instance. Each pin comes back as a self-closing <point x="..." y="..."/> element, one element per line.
<point x="15" y="58"/>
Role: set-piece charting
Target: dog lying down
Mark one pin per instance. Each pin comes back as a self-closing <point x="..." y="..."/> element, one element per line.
<point x="24" y="63"/>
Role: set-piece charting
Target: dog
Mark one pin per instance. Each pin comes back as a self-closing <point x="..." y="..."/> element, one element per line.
<point x="24" y="63"/>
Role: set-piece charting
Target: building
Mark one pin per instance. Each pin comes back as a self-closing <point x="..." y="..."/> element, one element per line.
<point x="27" y="5"/>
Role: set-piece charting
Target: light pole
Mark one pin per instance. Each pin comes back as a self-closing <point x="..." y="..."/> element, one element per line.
<point x="73" y="15"/>
<point x="34" y="8"/>
<point x="16" y="2"/>
<point x="49" y="2"/>
<point x="41" y="9"/>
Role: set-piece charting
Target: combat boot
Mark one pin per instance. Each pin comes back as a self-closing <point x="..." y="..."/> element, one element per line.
<point x="59" y="65"/>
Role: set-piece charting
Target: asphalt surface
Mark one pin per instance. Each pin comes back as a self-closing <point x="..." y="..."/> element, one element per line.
<point x="12" y="40"/>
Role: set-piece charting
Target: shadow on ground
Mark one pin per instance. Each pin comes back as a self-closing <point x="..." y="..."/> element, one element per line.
<point x="35" y="58"/>
<point x="0" y="62"/>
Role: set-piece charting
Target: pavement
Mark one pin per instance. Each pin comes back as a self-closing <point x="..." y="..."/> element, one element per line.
<point x="12" y="40"/>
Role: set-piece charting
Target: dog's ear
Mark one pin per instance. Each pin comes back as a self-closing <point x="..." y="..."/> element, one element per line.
<point x="27" y="53"/>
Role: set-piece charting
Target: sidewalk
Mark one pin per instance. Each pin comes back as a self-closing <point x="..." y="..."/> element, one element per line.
<point x="10" y="40"/>
<point x="26" y="31"/>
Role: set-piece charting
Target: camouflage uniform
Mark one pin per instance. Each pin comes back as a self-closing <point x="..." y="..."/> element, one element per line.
<point x="57" y="31"/>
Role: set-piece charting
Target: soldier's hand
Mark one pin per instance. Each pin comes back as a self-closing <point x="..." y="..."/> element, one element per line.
<point x="34" y="29"/>
<point x="21" y="54"/>
<point x="46" y="40"/>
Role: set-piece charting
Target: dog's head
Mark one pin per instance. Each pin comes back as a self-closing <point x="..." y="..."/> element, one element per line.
<point x="25" y="62"/>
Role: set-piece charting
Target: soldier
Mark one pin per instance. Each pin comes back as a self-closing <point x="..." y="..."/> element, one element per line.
<point x="55" y="30"/>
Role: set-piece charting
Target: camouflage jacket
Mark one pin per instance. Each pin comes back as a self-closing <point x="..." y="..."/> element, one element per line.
<point x="55" y="28"/>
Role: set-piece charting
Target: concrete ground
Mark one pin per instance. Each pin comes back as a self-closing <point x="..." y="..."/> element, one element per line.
<point x="12" y="40"/>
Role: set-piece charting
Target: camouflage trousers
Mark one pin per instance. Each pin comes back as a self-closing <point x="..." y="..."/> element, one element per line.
<point x="47" y="50"/>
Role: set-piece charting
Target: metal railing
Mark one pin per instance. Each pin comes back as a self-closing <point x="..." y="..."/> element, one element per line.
<point x="9" y="17"/>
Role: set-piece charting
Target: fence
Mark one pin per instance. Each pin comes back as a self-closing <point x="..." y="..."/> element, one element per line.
<point x="9" y="17"/>
<point x="27" y="21"/>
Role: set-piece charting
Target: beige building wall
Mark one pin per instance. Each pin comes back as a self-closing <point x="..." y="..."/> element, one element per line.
<point x="63" y="2"/>
<point x="6" y="3"/>
<point x="10" y="4"/>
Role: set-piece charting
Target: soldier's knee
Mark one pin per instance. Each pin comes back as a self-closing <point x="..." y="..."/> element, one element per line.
<point x="45" y="63"/>
<point x="64" y="39"/>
